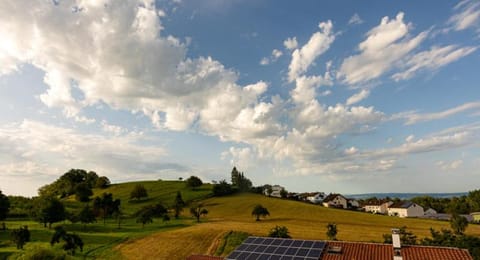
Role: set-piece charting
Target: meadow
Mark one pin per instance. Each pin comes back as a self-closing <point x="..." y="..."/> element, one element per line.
<point x="177" y="239"/>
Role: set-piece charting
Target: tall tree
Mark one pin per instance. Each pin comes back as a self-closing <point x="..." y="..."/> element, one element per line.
<point x="20" y="236"/>
<point x="234" y="175"/>
<point x="260" y="211"/>
<point x="138" y="192"/>
<point x="458" y="224"/>
<point x="193" y="182"/>
<point x="102" y="182"/>
<point x="86" y="216"/>
<point x="198" y="211"/>
<point x="332" y="231"/>
<point x="178" y="204"/>
<point x="48" y="211"/>
<point x="144" y="217"/>
<point x="105" y="206"/>
<point x="474" y="200"/>
<point x="83" y="192"/>
<point x="4" y="207"/>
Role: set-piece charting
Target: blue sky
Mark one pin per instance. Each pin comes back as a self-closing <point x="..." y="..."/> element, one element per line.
<point x="312" y="95"/>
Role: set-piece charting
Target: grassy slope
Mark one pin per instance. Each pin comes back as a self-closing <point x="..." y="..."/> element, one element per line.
<point x="98" y="238"/>
<point x="304" y="221"/>
<point x="158" y="192"/>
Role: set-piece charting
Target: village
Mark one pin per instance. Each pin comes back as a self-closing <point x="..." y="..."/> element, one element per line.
<point x="402" y="209"/>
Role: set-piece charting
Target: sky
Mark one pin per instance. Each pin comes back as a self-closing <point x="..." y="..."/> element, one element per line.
<point x="333" y="96"/>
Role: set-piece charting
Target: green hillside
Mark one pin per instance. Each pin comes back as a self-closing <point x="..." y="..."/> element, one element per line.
<point x="158" y="192"/>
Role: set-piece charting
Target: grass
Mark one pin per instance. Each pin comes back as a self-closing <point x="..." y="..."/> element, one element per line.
<point x="100" y="239"/>
<point x="229" y="242"/>
<point x="304" y="221"/>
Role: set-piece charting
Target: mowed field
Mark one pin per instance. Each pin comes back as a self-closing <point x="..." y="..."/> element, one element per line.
<point x="304" y="221"/>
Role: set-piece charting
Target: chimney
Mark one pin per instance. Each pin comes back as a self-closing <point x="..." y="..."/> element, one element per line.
<point x="397" y="247"/>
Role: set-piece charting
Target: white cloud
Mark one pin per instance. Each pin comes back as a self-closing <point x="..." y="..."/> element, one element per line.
<point x="385" y="45"/>
<point x="117" y="54"/>
<point x="355" y="19"/>
<point x="364" y="93"/>
<point x="113" y="129"/>
<point x="242" y="158"/>
<point x="276" y="54"/>
<point x="433" y="59"/>
<point x="414" y="118"/>
<point x="43" y="152"/>
<point x="290" y="43"/>
<point x="409" y="138"/>
<point x="264" y="61"/>
<point x="351" y="150"/>
<point x="467" y="15"/>
<point x="273" y="58"/>
<point x="449" y="165"/>
<point x="304" y="57"/>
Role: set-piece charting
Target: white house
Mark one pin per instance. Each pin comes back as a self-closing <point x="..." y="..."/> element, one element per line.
<point x="405" y="209"/>
<point x="335" y="201"/>
<point x="275" y="192"/>
<point x="377" y="207"/>
<point x="317" y="198"/>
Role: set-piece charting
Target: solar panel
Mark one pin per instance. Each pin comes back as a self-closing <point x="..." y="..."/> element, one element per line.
<point x="260" y="248"/>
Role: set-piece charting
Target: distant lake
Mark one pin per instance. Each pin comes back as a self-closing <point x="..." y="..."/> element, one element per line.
<point x="405" y="196"/>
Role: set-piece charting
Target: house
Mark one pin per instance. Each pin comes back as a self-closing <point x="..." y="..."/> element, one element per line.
<point x="377" y="206"/>
<point x="274" y="191"/>
<point x="352" y="203"/>
<point x="317" y="198"/>
<point x="475" y="217"/>
<point x="405" y="209"/>
<point x="430" y="212"/>
<point x="281" y="248"/>
<point x="334" y="200"/>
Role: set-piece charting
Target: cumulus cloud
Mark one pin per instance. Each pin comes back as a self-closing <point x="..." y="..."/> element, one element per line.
<point x="363" y="94"/>
<point x="117" y="53"/>
<point x="243" y="158"/>
<point x="467" y="15"/>
<point x="273" y="58"/>
<point x="290" y="43"/>
<point x="432" y="59"/>
<point x="385" y="45"/>
<point x="318" y="44"/>
<point x="355" y="19"/>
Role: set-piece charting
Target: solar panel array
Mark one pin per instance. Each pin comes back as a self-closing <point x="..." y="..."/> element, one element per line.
<point x="262" y="248"/>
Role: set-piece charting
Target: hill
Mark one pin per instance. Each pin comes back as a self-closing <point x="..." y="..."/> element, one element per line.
<point x="158" y="192"/>
<point x="304" y="221"/>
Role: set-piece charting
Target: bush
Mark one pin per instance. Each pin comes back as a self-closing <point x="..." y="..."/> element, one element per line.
<point x="222" y="189"/>
<point x="194" y="182"/>
<point x="41" y="253"/>
<point x="279" y="231"/>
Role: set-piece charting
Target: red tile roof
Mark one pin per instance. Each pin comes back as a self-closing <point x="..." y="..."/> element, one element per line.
<point x="372" y="251"/>
<point x="204" y="257"/>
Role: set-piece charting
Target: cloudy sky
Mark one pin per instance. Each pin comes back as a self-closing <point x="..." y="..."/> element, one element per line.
<point x="312" y="95"/>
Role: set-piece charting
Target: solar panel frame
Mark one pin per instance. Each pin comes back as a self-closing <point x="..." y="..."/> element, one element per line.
<point x="260" y="248"/>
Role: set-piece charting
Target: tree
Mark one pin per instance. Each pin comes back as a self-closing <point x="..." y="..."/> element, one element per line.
<point x="48" y="211"/>
<point x="20" y="236"/>
<point x="194" y="182"/>
<point x="473" y="199"/>
<point x="86" y="216"/>
<point x="144" y="217"/>
<point x="260" y="211"/>
<point x="83" y="192"/>
<point x="406" y="237"/>
<point x="279" y="231"/>
<point x="106" y="206"/>
<point x="222" y="188"/>
<point x="458" y="224"/>
<point x="67" y="183"/>
<point x="332" y="231"/>
<point x="71" y="241"/>
<point x="283" y="193"/>
<point x="102" y="182"/>
<point x="138" y="192"/>
<point x="178" y="204"/>
<point x="240" y="181"/>
<point x="4" y="208"/>
<point x="198" y="211"/>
